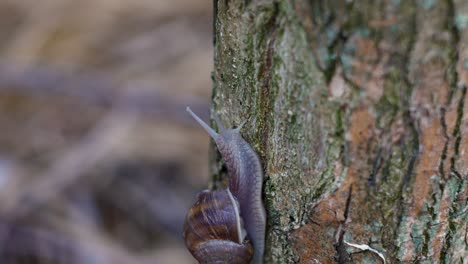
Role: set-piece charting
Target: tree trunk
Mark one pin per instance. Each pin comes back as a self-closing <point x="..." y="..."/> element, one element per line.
<point x="357" y="110"/>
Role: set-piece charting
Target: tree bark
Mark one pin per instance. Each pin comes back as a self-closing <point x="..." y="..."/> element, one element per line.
<point x="358" y="112"/>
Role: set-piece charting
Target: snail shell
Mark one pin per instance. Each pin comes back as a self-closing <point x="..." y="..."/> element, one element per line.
<point x="214" y="231"/>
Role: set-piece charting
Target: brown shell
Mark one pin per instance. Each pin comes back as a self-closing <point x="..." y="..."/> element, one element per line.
<point x="223" y="251"/>
<point x="211" y="229"/>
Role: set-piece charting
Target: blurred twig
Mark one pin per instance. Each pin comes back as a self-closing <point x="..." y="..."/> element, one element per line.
<point x="97" y="90"/>
<point x="73" y="164"/>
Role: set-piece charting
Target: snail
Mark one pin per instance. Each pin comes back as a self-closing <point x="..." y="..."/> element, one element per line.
<point x="221" y="225"/>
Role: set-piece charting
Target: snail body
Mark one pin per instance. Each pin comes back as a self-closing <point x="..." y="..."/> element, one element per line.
<point x="245" y="185"/>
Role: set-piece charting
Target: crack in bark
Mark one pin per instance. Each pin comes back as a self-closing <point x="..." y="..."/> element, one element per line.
<point x="409" y="122"/>
<point x="454" y="83"/>
<point x="215" y="20"/>
<point x="377" y="164"/>
<point x="335" y="45"/>
<point x="264" y="104"/>
<point x="457" y="132"/>
<point x="264" y="101"/>
<point x="407" y="83"/>
<point x="343" y="256"/>
<point x="455" y="34"/>
<point x="452" y="79"/>
<point x="456" y="135"/>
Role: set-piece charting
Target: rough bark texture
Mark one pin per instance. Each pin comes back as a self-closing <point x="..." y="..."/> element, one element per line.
<point x="358" y="112"/>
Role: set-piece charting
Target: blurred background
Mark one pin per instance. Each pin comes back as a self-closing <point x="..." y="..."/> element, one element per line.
<point x="98" y="159"/>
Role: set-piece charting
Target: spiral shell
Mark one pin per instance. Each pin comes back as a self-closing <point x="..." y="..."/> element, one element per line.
<point x="214" y="231"/>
